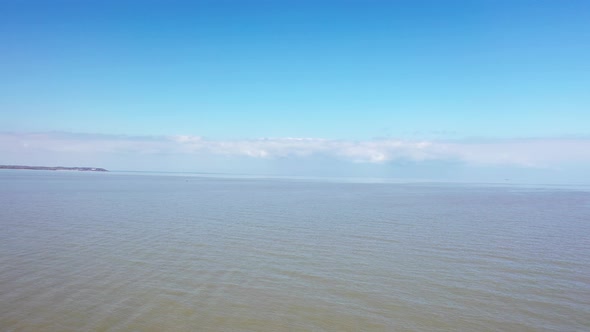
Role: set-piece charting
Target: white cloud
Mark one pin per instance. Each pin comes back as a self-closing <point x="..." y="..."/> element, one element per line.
<point x="524" y="152"/>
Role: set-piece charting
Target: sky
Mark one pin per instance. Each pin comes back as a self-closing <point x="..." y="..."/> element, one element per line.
<point x="473" y="90"/>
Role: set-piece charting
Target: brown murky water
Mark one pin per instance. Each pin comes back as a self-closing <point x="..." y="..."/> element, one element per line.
<point x="115" y="252"/>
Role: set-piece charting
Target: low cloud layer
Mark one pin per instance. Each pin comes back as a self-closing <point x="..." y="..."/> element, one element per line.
<point x="534" y="153"/>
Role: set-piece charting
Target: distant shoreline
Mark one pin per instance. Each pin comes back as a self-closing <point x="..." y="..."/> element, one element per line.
<point x="54" y="168"/>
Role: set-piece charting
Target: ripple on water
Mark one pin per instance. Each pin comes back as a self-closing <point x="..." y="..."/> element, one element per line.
<point x="114" y="254"/>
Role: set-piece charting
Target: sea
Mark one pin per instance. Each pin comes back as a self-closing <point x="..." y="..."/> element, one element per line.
<point x="117" y="251"/>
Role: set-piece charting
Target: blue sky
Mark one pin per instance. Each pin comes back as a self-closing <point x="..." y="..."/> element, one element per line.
<point x="358" y="72"/>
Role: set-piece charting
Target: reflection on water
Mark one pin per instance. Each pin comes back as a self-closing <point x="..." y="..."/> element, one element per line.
<point x="112" y="252"/>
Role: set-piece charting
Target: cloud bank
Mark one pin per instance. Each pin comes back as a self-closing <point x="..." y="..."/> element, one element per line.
<point x="533" y="153"/>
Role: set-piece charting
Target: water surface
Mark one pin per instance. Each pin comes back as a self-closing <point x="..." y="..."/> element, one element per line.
<point x="120" y="252"/>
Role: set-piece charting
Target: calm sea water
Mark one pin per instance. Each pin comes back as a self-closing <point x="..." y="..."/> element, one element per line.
<point x="116" y="252"/>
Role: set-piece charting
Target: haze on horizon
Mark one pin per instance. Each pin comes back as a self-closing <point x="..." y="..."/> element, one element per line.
<point x="453" y="90"/>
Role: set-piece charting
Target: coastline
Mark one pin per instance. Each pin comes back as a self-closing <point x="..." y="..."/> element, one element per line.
<point x="54" y="168"/>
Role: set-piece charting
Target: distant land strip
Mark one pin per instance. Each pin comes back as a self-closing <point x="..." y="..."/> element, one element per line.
<point x="57" y="168"/>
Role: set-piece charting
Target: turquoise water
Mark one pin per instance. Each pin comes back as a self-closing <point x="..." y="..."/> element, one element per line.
<point x="121" y="252"/>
